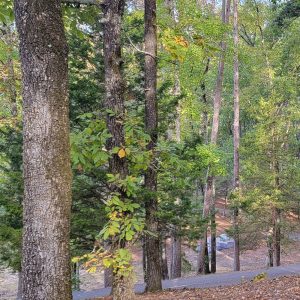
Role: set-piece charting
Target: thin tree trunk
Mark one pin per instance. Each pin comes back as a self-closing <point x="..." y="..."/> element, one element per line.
<point x="46" y="272"/>
<point x="11" y="78"/>
<point x="12" y="87"/>
<point x="236" y="137"/>
<point x="153" y="262"/>
<point x="204" y="127"/>
<point x="277" y="237"/>
<point x="113" y="10"/>
<point x="108" y="272"/>
<point x="277" y="219"/>
<point x="175" y="257"/>
<point x="209" y="205"/>
<point x="164" y="263"/>
<point x="213" y="241"/>
<point x="19" y="294"/>
<point x="76" y="276"/>
<point x="270" y="250"/>
<point x="108" y="277"/>
<point x="175" y="269"/>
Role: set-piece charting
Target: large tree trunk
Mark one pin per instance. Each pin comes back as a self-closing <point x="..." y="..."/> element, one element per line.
<point x="236" y="137"/>
<point x="153" y="261"/>
<point x="209" y="203"/>
<point x="46" y="270"/>
<point x="113" y="10"/>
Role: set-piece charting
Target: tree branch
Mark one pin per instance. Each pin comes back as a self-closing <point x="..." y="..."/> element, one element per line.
<point x="139" y="50"/>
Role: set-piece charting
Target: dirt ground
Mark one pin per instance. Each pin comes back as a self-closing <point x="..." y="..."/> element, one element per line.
<point x="250" y="260"/>
<point x="286" y="288"/>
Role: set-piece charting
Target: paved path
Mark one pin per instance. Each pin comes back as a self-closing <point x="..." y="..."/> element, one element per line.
<point x="213" y="280"/>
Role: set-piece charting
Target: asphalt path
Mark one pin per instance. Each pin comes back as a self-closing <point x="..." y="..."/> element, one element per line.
<point x="204" y="281"/>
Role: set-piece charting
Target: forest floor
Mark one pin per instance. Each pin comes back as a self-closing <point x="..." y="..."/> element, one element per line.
<point x="254" y="259"/>
<point x="283" y="288"/>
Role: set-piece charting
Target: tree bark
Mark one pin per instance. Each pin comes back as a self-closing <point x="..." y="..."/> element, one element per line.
<point x="46" y="270"/>
<point x="175" y="270"/>
<point x="270" y="250"/>
<point x="165" y="270"/>
<point x="19" y="294"/>
<point x="113" y="10"/>
<point x="277" y="219"/>
<point x="108" y="277"/>
<point x="209" y="204"/>
<point x="277" y="237"/>
<point x="153" y="262"/>
<point x="204" y="128"/>
<point x="236" y="137"/>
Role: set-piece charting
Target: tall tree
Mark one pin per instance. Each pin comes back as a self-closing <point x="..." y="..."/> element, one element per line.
<point x="114" y="101"/>
<point x="236" y="136"/>
<point x="209" y="206"/>
<point x="46" y="154"/>
<point x="175" y="253"/>
<point x="153" y="272"/>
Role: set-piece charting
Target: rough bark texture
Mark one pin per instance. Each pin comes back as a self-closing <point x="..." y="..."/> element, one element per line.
<point x="209" y="206"/>
<point x="113" y="11"/>
<point x="153" y="261"/>
<point x="236" y="136"/>
<point x="46" y="270"/>
<point x="122" y="287"/>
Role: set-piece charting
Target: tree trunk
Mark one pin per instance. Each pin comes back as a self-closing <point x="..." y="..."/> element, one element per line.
<point x="19" y="294"/>
<point x="209" y="203"/>
<point x="153" y="262"/>
<point x="113" y="10"/>
<point x="236" y="137"/>
<point x="204" y="128"/>
<point x="270" y="250"/>
<point x="277" y="236"/>
<point x="108" y="272"/>
<point x="108" y="277"/>
<point x="213" y="246"/>
<point x="76" y="276"/>
<point x="46" y="272"/>
<point x="175" y="269"/>
<point x="164" y="261"/>
<point x="11" y="78"/>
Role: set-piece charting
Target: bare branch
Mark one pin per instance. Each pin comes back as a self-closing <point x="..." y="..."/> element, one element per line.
<point x="139" y="50"/>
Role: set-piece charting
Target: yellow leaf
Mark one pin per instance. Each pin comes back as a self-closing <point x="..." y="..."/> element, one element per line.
<point x="121" y="153"/>
<point x="180" y="40"/>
